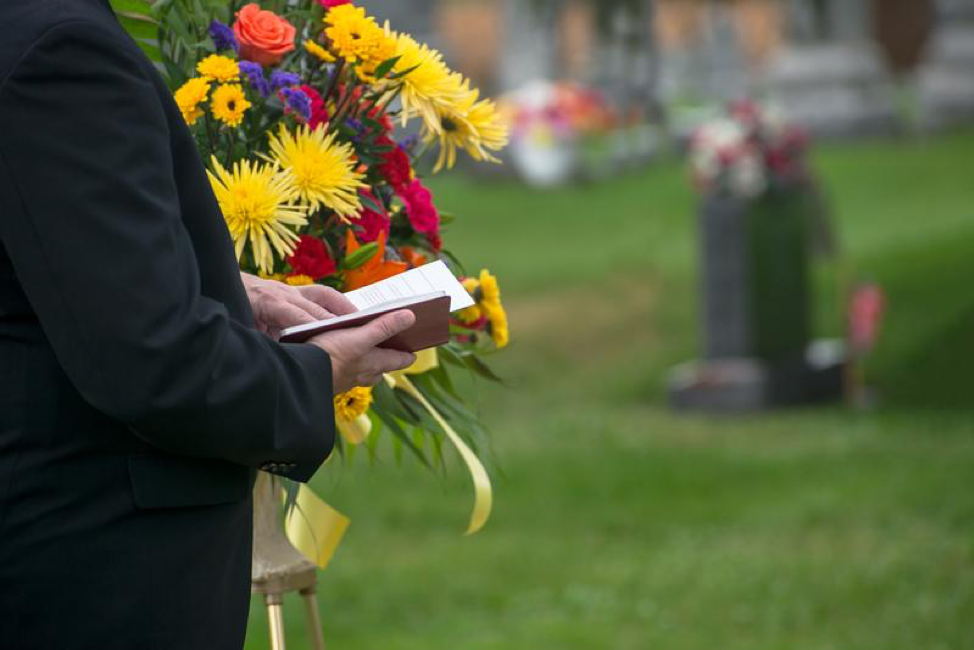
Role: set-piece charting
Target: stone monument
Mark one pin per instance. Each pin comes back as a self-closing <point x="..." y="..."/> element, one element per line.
<point x="757" y="351"/>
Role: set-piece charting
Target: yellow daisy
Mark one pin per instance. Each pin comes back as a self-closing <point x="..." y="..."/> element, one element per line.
<point x="487" y="294"/>
<point x="430" y="87"/>
<point x="322" y="170"/>
<point x="498" y="327"/>
<point x="258" y="202"/>
<point x="318" y="51"/>
<point x="356" y="37"/>
<point x="473" y="313"/>
<point x="489" y="299"/>
<point x="229" y="104"/>
<point x="351" y="410"/>
<point x="218" y="68"/>
<point x="189" y="96"/>
<point x="352" y="404"/>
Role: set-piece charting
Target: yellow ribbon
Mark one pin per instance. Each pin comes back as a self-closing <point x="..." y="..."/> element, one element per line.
<point x="355" y="431"/>
<point x="314" y="527"/>
<point x="483" y="494"/>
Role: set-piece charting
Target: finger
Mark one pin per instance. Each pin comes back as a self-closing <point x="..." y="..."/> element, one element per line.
<point x="316" y="311"/>
<point x="381" y="361"/>
<point x="329" y="298"/>
<point x="283" y="314"/>
<point x="368" y="381"/>
<point x="382" y="329"/>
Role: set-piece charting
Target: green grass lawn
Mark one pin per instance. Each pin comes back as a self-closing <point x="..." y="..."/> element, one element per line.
<point x="619" y="524"/>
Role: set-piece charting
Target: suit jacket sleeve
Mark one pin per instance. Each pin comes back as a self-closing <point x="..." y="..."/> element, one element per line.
<point x="97" y="241"/>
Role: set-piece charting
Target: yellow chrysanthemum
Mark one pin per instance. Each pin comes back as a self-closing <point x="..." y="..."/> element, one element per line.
<point x="430" y="88"/>
<point x="322" y="170"/>
<point x="258" y="202"/>
<point x="189" y="96"/>
<point x="218" y="68"/>
<point x="352" y="404"/>
<point x="299" y="280"/>
<point x="229" y="104"/>
<point x="316" y="50"/>
<point x="356" y="37"/>
<point x="474" y="126"/>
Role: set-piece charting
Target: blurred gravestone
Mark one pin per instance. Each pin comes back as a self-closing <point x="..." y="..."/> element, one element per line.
<point x="946" y="77"/>
<point x="754" y="283"/>
<point x="530" y="43"/>
<point x="831" y="78"/>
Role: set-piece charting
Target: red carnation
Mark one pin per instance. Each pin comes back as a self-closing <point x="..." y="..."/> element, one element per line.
<point x="328" y="4"/>
<point x="396" y="169"/>
<point x="311" y="258"/>
<point x="419" y="208"/>
<point x="371" y="223"/>
<point x="436" y="242"/>
<point x="319" y="112"/>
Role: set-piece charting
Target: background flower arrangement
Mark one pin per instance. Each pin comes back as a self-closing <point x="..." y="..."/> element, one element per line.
<point x="316" y="124"/>
<point x="747" y="152"/>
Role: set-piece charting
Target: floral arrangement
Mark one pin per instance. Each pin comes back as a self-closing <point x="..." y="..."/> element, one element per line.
<point x="316" y="124"/>
<point x="747" y="152"/>
<point x="561" y="111"/>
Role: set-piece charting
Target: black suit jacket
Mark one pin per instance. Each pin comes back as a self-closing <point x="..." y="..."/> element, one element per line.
<point x="136" y="399"/>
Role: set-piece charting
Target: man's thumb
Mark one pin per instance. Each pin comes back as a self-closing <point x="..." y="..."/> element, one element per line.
<point x="385" y="327"/>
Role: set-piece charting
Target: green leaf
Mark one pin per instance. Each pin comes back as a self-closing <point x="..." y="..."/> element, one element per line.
<point x="372" y="204"/>
<point x="360" y="257"/>
<point x="386" y="67"/>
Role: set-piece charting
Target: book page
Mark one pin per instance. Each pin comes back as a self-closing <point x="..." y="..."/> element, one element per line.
<point x="426" y="279"/>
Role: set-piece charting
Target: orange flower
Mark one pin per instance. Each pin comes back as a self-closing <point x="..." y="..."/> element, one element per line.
<point x="264" y="36"/>
<point x="412" y="256"/>
<point x="375" y="270"/>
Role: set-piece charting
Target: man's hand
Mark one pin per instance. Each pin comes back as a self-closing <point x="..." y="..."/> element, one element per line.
<point x="355" y="358"/>
<point x="277" y="305"/>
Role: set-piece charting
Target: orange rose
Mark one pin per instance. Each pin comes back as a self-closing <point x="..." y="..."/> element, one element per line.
<point x="264" y="36"/>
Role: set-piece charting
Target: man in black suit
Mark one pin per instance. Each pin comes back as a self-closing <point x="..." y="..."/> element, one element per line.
<point x="137" y="393"/>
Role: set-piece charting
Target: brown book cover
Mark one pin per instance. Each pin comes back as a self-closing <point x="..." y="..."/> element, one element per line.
<point x="432" y="327"/>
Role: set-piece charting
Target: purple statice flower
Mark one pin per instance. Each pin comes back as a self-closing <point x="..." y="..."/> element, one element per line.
<point x="255" y="76"/>
<point x="357" y="126"/>
<point x="281" y="79"/>
<point x="408" y="143"/>
<point x="223" y="37"/>
<point x="297" y="101"/>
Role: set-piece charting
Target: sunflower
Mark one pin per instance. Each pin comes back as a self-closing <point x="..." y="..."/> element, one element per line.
<point x="472" y="125"/>
<point x="189" y="97"/>
<point x="356" y="37"/>
<point x="218" y="68"/>
<point x="229" y="104"/>
<point x="258" y="202"/>
<point x="322" y="170"/>
<point x="351" y="410"/>
<point x="318" y="51"/>
<point x="430" y="87"/>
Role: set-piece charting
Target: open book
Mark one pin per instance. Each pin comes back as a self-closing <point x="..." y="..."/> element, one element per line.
<point x="431" y="292"/>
